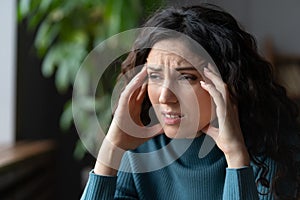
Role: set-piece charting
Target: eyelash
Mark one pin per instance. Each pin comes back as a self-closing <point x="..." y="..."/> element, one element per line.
<point x="188" y="77"/>
<point x="153" y="76"/>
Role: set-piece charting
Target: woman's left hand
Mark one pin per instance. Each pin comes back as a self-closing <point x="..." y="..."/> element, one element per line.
<point x="228" y="136"/>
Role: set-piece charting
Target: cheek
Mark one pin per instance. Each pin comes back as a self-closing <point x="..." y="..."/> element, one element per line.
<point x="153" y="93"/>
<point x="204" y="99"/>
<point x="205" y="107"/>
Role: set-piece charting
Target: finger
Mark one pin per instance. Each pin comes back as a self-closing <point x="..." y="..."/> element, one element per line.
<point x="213" y="69"/>
<point x="133" y="85"/>
<point x="216" y="96"/>
<point x="216" y="80"/>
<point x="213" y="76"/>
<point x="142" y="92"/>
<point x="137" y="81"/>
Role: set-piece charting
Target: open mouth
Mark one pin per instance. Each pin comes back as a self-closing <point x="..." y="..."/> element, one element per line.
<point x="172" y="118"/>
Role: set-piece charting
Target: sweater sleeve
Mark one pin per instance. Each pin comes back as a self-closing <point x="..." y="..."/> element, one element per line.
<point x="99" y="187"/>
<point x="109" y="187"/>
<point x="241" y="183"/>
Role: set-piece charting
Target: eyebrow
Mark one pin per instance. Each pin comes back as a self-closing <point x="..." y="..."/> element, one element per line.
<point x="177" y="68"/>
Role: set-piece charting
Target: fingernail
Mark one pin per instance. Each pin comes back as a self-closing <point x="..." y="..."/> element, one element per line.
<point x="206" y="69"/>
<point x="202" y="83"/>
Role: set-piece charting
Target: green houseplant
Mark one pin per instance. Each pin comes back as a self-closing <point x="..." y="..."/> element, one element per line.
<point x="66" y="31"/>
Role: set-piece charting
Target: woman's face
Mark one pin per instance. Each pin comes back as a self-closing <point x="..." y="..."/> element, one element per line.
<point x="175" y="92"/>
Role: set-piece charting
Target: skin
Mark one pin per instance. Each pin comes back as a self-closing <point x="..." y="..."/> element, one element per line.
<point x="166" y="86"/>
<point x="171" y="81"/>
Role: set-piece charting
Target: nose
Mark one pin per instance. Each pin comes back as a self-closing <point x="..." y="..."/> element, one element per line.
<point x="166" y="95"/>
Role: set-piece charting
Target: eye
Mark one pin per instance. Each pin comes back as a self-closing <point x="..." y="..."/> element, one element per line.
<point x="188" y="77"/>
<point x="154" y="76"/>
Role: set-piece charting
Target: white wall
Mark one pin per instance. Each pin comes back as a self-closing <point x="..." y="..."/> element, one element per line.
<point x="7" y="70"/>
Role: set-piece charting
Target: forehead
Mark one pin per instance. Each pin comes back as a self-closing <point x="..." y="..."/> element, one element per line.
<point x="165" y="58"/>
<point x="173" y="52"/>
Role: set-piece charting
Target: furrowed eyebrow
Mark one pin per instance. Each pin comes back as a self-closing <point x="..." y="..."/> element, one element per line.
<point x="185" y="68"/>
<point x="157" y="69"/>
<point x="177" y="68"/>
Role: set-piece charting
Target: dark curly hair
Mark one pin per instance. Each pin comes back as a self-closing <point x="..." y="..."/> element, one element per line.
<point x="267" y="116"/>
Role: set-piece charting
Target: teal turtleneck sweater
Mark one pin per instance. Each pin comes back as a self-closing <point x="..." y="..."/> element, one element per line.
<point x="184" y="176"/>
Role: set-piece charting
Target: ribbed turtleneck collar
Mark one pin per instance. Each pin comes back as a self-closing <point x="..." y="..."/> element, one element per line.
<point x="199" y="150"/>
<point x="162" y="151"/>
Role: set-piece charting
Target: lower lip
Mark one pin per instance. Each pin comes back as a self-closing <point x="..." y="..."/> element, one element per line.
<point x="172" y="121"/>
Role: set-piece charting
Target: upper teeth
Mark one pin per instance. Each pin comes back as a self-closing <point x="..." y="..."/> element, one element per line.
<point x="172" y="116"/>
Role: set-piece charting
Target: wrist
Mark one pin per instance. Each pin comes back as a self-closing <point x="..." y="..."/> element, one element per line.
<point x="109" y="159"/>
<point x="237" y="159"/>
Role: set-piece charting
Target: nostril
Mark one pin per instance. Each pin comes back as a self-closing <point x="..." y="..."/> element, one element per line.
<point x="167" y="96"/>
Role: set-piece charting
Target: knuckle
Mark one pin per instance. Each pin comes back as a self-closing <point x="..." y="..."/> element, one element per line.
<point x="124" y="95"/>
<point x="209" y="86"/>
<point x="225" y="86"/>
<point x="218" y="94"/>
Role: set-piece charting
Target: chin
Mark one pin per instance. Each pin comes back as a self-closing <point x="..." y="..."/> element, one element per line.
<point x="172" y="135"/>
<point x="176" y="134"/>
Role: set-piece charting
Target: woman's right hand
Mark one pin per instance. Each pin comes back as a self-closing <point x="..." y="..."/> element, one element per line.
<point x="126" y="131"/>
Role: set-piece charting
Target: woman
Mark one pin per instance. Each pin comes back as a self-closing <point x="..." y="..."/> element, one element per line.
<point x="232" y="98"/>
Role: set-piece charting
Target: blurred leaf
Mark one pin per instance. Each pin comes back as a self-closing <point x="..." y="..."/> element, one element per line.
<point x="79" y="151"/>
<point x="66" y="119"/>
<point x="83" y="82"/>
<point x="44" y="5"/>
<point x="65" y="32"/>
<point x="45" y="36"/>
<point x="115" y="17"/>
<point x="23" y="9"/>
<point x="68" y="57"/>
<point x="36" y="19"/>
<point x="49" y="65"/>
<point x="132" y="19"/>
<point x="56" y="15"/>
<point x="103" y="106"/>
<point x="61" y="77"/>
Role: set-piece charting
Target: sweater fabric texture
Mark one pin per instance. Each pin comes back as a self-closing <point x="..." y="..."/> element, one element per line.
<point x="164" y="168"/>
